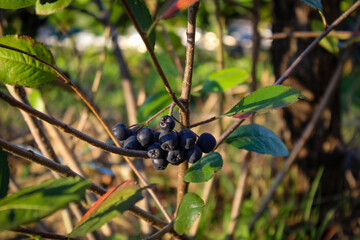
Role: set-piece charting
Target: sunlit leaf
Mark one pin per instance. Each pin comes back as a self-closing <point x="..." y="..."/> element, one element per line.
<point x="4" y="174"/>
<point x="117" y="200"/>
<point x="49" y="7"/>
<point x="171" y="7"/>
<point x="264" y="99"/>
<point x="142" y="15"/>
<point x="258" y="139"/>
<point x="189" y="210"/>
<point x="225" y="79"/>
<point x="16" y="4"/>
<point x="20" y="69"/>
<point x="204" y="169"/>
<point x="34" y="203"/>
<point x="316" y="4"/>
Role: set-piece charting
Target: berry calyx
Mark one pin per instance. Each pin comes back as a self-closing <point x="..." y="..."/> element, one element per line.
<point x="167" y="123"/>
<point x="169" y="141"/>
<point x="155" y="151"/>
<point x="175" y="157"/>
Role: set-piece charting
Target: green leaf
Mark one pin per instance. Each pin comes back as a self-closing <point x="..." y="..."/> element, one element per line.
<point x="36" y="100"/>
<point x="189" y="210"/>
<point x="46" y="7"/>
<point x="258" y="139"/>
<point x="225" y="79"/>
<point x="204" y="169"/>
<point x="317" y="5"/>
<point x="152" y="105"/>
<point x="4" y="174"/>
<point x="20" y="69"/>
<point x="34" y="203"/>
<point x="16" y="4"/>
<point x="114" y="202"/>
<point x="264" y="99"/>
<point x="142" y="15"/>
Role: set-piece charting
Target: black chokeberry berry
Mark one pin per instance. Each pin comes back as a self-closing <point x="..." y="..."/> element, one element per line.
<point x="193" y="155"/>
<point x="145" y="137"/>
<point x="187" y="139"/>
<point x="167" y="123"/>
<point x="176" y="156"/>
<point x="168" y="141"/>
<point x="159" y="164"/>
<point x="132" y="143"/>
<point x="155" y="151"/>
<point x="121" y="132"/>
<point x="206" y="142"/>
<point x="156" y="136"/>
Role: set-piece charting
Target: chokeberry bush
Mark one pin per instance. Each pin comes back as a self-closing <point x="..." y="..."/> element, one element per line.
<point x="157" y="121"/>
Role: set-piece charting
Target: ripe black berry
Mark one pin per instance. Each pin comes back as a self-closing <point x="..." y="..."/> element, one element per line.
<point x="159" y="164"/>
<point x="193" y="155"/>
<point x="155" y="151"/>
<point x="121" y="132"/>
<point x="206" y="142"/>
<point x="187" y="139"/>
<point x="175" y="156"/>
<point x="132" y="143"/>
<point x="167" y="123"/>
<point x="145" y="137"/>
<point x="168" y="141"/>
<point x="156" y="136"/>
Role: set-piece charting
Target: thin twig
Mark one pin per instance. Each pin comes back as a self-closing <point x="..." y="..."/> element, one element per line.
<point x="185" y="93"/>
<point x="286" y="74"/>
<point x="160" y="233"/>
<point x="42" y="234"/>
<point x="67" y="172"/>
<point x="304" y="137"/>
<point x="232" y="128"/>
<point x="156" y="63"/>
<point x="204" y="122"/>
<point x="72" y="131"/>
<point x="308" y="34"/>
<point x="237" y="201"/>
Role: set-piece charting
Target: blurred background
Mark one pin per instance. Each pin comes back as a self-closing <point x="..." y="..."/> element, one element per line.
<point x="241" y="45"/>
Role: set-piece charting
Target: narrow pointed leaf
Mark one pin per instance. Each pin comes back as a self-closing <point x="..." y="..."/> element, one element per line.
<point x="204" y="169"/>
<point x="256" y="138"/>
<point x="19" y="69"/>
<point x="34" y="203"/>
<point x="16" y="4"/>
<point x="50" y="7"/>
<point x="265" y="99"/>
<point x="4" y="174"/>
<point x="171" y="7"/>
<point x="189" y="210"/>
<point x="317" y="5"/>
<point x="142" y="15"/>
<point x="113" y="203"/>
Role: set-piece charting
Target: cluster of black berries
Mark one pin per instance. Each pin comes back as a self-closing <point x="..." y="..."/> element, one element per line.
<point x="166" y="146"/>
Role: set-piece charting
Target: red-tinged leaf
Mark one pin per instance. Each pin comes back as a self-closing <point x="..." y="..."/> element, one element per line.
<point x="171" y="7"/>
<point x="112" y="204"/>
<point x="102" y="199"/>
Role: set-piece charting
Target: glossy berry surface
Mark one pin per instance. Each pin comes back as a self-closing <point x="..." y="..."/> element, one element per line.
<point x="145" y="137"/>
<point x="155" y="151"/>
<point x="159" y="164"/>
<point x="206" y="142"/>
<point x="193" y="155"/>
<point x="169" y="141"/>
<point x="120" y="131"/>
<point x="132" y="143"/>
<point x="167" y="123"/>
<point x="187" y="139"/>
<point x="175" y="156"/>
